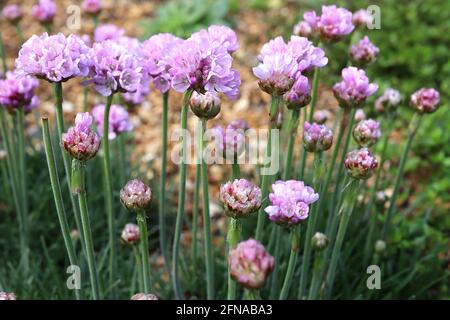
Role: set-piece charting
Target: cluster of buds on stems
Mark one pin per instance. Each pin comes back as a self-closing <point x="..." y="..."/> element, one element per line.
<point x="205" y="106"/>
<point x="367" y="132"/>
<point x="425" y="100"/>
<point x="319" y="241"/>
<point x="316" y="137"/>
<point x="136" y="195"/>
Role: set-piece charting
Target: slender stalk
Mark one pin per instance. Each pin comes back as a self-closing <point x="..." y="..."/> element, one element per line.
<point x="142" y="222"/>
<point x="235" y="170"/>
<point x="233" y="237"/>
<point x="317" y="271"/>
<point x="78" y="171"/>
<point x="20" y="117"/>
<point x="315" y="88"/>
<point x="345" y="214"/>
<point x="209" y="254"/>
<point x="137" y="257"/>
<point x="412" y="129"/>
<point x="301" y="171"/>
<point x="293" y="125"/>
<point x="266" y="177"/>
<point x="85" y="98"/>
<point x="195" y="214"/>
<point x="251" y="295"/>
<point x="3" y="54"/>
<point x="181" y="198"/>
<point x="295" y="240"/>
<point x="162" y="186"/>
<point x="19" y="33"/>
<point x="47" y="27"/>
<point x="121" y="139"/>
<point x="57" y="195"/>
<point x="109" y="193"/>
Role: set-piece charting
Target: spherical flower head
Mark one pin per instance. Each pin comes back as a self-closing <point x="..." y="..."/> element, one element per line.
<point x="334" y="23"/>
<point x="92" y="7"/>
<point x="130" y="234"/>
<point x="54" y="58"/>
<point x="229" y="142"/>
<point x="299" y="95"/>
<point x="276" y="73"/>
<point x="316" y="137"/>
<point x="136" y="195"/>
<point x="388" y="101"/>
<point x="354" y="88"/>
<point x="362" y="17"/>
<point x="12" y="13"/>
<point x="425" y="100"/>
<point x="380" y="246"/>
<point x="217" y="36"/>
<point x="290" y="202"/>
<point x="364" y="52"/>
<point x="119" y="120"/>
<point x="321" y="116"/>
<point x="144" y="296"/>
<point x="44" y="11"/>
<point x="238" y="124"/>
<point x="303" y="29"/>
<point x="108" y="32"/>
<point x="205" y="106"/>
<point x="80" y="141"/>
<point x="250" y="264"/>
<point x="7" y="296"/>
<point x="360" y="163"/>
<point x="319" y="241"/>
<point x="18" y="92"/>
<point x="367" y="132"/>
<point x="240" y="198"/>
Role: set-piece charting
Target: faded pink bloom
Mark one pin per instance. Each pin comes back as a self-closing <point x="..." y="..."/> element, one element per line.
<point x="92" y="6"/>
<point x="316" y="137"/>
<point x="334" y="23"/>
<point x="240" y="198"/>
<point x="12" y="13"/>
<point x="388" y="101"/>
<point x="367" y="132"/>
<point x="360" y="115"/>
<point x="44" y="11"/>
<point x="425" y="100"/>
<point x="119" y="120"/>
<point x="364" y="52"/>
<point x="362" y="17"/>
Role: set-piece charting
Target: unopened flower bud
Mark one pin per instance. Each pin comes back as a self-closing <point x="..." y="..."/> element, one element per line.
<point x="360" y="115"/>
<point x="360" y="163"/>
<point x="136" y="195"/>
<point x="364" y="52"/>
<point x="130" y="234"/>
<point x="12" y="13"/>
<point x="3" y="155"/>
<point x="316" y="137"/>
<point x="388" y="101"/>
<point x="362" y="17"/>
<point x="425" y="100"/>
<point x="250" y="264"/>
<point x="144" y="296"/>
<point x="299" y="95"/>
<point x="319" y="241"/>
<point x="367" y="132"/>
<point x="321" y="116"/>
<point x="205" y="106"/>
<point x="303" y="29"/>
<point x="240" y="198"/>
<point x="7" y="296"/>
<point x="75" y="235"/>
<point x="380" y="246"/>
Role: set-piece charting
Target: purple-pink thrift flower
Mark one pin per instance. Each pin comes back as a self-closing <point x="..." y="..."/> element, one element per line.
<point x="92" y="6"/>
<point x="80" y="141"/>
<point x="321" y="116"/>
<point x="250" y="264"/>
<point x="12" y="13"/>
<point x="425" y="100"/>
<point x="290" y="201"/>
<point x="130" y="234"/>
<point x="334" y="22"/>
<point x="205" y="106"/>
<point x="136" y="195"/>
<point x="360" y="115"/>
<point x="316" y="137"/>
<point x="360" y="163"/>
<point x="388" y="101"/>
<point x="18" y="92"/>
<point x="119" y="120"/>
<point x="303" y="29"/>
<point x="44" y="11"/>
<point x="240" y="198"/>
<point x="108" y="32"/>
<point x="54" y="58"/>
<point x="354" y="88"/>
<point x="217" y="36"/>
<point x="367" y="132"/>
<point x="362" y="17"/>
<point x="299" y="95"/>
<point x="364" y="52"/>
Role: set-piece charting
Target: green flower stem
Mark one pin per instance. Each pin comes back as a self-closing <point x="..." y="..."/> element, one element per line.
<point x="109" y="194"/>
<point x="3" y="54"/>
<point x="233" y="237"/>
<point x="209" y="254"/>
<point x="5" y="174"/>
<point x="265" y="177"/>
<point x="293" y="126"/>
<point x="368" y="247"/>
<point x="345" y="213"/>
<point x="276" y="234"/>
<point x="311" y="227"/>
<point x="145" y="258"/>
<point x="137" y="257"/>
<point x="316" y="276"/>
<point x="47" y="27"/>
<point x="123" y="165"/>
<point x="95" y="21"/>
<point x="235" y="170"/>
<point x="57" y="195"/>
<point x="162" y="186"/>
<point x="251" y="294"/>
<point x="19" y="33"/>
<point x="78" y="170"/>
<point x="295" y="241"/>
<point x="195" y="214"/>
<point x="315" y="88"/>
<point x="304" y="154"/>
<point x="85" y="98"/>
<point x="412" y="129"/>
<point x="181" y="199"/>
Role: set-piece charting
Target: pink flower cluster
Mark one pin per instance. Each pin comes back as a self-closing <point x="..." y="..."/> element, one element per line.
<point x="12" y="13"/>
<point x="364" y="52"/>
<point x="360" y="163"/>
<point x="388" y="101"/>
<point x="425" y="100"/>
<point x="333" y="23"/>
<point x="316" y="137"/>
<point x="250" y="264"/>
<point x="119" y="120"/>
<point x="367" y="132"/>
<point x="18" y="92"/>
<point x="80" y="141"/>
<point x="290" y="201"/>
<point x="44" y="11"/>
<point x="54" y="58"/>
<point x="240" y="198"/>
<point x="354" y="88"/>
<point x="282" y="64"/>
